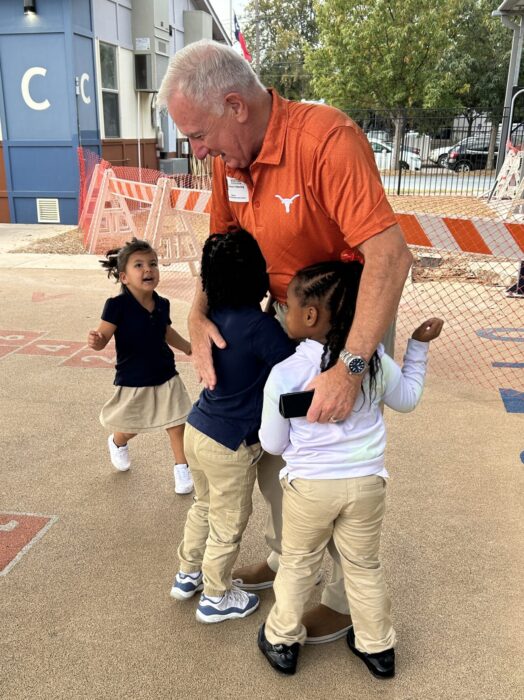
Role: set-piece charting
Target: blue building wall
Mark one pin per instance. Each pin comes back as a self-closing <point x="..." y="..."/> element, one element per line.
<point x="47" y="102"/>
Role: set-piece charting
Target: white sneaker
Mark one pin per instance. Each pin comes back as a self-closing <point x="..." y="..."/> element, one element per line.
<point x="186" y="585"/>
<point x="233" y="604"/>
<point x="119" y="455"/>
<point x="183" y="479"/>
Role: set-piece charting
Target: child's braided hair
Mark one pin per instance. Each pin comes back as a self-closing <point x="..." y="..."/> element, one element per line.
<point x="233" y="270"/>
<point x="334" y="284"/>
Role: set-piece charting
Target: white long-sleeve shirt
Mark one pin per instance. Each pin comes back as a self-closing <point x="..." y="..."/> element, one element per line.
<point x="353" y="447"/>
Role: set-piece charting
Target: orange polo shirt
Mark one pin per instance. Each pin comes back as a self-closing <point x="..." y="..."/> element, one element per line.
<point x="313" y="190"/>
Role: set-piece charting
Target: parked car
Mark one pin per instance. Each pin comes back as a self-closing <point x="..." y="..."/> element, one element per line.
<point x="469" y="156"/>
<point x="379" y="135"/>
<point x="473" y="143"/>
<point x="409" y="160"/>
<point x="440" y="155"/>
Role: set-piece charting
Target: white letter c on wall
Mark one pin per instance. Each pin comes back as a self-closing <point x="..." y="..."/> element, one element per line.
<point x="83" y="80"/>
<point x="26" y="78"/>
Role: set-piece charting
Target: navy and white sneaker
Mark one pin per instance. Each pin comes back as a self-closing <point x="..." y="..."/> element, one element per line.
<point x="186" y="585"/>
<point x="234" y="603"/>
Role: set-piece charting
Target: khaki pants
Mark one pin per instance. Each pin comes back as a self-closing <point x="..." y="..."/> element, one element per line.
<point x="334" y="594"/>
<point x="224" y="481"/>
<point x="350" y="511"/>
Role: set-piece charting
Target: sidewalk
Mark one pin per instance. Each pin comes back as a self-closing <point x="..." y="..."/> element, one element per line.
<point x="86" y="612"/>
<point x="16" y="236"/>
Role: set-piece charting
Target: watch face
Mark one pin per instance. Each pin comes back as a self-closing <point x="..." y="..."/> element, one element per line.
<point x="357" y="365"/>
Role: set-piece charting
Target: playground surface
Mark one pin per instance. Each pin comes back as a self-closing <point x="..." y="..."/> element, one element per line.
<point x="85" y="610"/>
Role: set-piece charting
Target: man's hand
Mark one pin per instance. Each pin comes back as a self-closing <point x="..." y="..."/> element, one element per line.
<point x="335" y="393"/>
<point x="429" y="330"/>
<point x="96" y="340"/>
<point x="203" y="334"/>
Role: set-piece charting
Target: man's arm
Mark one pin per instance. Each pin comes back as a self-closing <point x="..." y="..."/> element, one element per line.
<point x="203" y="333"/>
<point x="387" y="265"/>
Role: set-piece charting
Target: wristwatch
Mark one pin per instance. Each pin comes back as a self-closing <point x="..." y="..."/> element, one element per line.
<point x="354" y="363"/>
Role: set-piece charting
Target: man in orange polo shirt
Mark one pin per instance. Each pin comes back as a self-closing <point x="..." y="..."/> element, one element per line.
<point x="302" y="179"/>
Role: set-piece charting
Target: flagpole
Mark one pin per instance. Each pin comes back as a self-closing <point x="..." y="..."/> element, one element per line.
<point x="257" y="39"/>
<point x="231" y="21"/>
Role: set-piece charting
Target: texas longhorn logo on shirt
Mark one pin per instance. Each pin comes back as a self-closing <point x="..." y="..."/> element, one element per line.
<point x="287" y="202"/>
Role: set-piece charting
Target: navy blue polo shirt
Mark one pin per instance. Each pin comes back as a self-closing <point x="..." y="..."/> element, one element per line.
<point x="143" y="358"/>
<point x="232" y="412"/>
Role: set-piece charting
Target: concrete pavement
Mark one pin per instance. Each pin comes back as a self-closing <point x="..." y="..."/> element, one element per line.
<point x="86" y="612"/>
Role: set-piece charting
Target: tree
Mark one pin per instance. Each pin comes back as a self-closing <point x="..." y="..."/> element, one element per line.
<point x="471" y="74"/>
<point x="472" y="69"/>
<point x="286" y="27"/>
<point x="378" y="53"/>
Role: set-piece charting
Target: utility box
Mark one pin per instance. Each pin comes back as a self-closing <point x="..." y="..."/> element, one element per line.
<point x="197" y="25"/>
<point x="174" y="166"/>
<point x="150" y="43"/>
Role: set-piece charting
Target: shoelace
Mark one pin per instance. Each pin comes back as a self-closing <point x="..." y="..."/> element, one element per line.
<point x="237" y="597"/>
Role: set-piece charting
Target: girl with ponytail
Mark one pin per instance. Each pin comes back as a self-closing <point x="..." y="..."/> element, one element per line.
<point x="334" y="476"/>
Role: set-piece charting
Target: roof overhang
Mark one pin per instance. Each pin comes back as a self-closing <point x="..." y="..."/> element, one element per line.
<point x="219" y="33"/>
<point x="510" y="7"/>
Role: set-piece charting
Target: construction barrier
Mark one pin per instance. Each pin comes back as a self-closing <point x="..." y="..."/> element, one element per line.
<point x="467" y="263"/>
<point x="168" y="212"/>
<point x="475" y="235"/>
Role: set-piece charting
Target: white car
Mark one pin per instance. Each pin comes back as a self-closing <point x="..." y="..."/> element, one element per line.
<point x="440" y="155"/>
<point x="409" y="160"/>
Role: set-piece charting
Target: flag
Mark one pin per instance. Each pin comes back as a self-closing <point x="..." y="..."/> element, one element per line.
<point x="240" y="38"/>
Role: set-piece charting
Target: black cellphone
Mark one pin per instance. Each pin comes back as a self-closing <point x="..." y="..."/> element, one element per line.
<point x="296" y="404"/>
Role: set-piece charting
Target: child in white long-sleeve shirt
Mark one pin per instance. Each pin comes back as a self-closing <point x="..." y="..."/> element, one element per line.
<point x="334" y="478"/>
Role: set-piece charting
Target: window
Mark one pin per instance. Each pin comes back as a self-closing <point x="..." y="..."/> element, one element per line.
<point x="109" y="75"/>
<point x="379" y="147"/>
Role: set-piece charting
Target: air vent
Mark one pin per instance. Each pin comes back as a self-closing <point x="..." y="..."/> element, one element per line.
<point x="161" y="46"/>
<point x="48" y="211"/>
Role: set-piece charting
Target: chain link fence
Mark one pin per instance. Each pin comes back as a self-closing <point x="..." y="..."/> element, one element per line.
<point x="467" y="253"/>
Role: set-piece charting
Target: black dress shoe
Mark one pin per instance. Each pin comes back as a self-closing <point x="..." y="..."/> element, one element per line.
<point x="381" y="664"/>
<point x="281" y="656"/>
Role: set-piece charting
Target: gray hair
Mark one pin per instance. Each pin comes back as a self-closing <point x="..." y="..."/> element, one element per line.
<point x="205" y="71"/>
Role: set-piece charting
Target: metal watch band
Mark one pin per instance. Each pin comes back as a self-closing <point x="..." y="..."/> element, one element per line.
<point x="354" y="363"/>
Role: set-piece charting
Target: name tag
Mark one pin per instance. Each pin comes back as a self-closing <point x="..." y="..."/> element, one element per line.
<point x="237" y="190"/>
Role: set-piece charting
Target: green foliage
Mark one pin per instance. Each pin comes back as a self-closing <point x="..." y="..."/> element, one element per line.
<point x="286" y="27"/>
<point x="401" y="54"/>
<point x="471" y="74"/>
<point x="379" y="53"/>
<point x="394" y="55"/>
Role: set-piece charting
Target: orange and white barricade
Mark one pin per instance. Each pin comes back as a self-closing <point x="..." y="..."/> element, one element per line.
<point x="112" y="218"/>
<point x="178" y="242"/>
<point x="166" y="215"/>
<point x="502" y="239"/>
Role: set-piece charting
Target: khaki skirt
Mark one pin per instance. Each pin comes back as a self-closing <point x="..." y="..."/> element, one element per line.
<point x="145" y="409"/>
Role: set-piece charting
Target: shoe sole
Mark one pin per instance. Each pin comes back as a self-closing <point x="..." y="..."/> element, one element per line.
<point x="264" y="585"/>
<point x="371" y="669"/>
<point x="284" y="671"/>
<point x="183" y="492"/>
<point x="210" y="619"/>
<point x="120" y="469"/>
<point x="272" y="663"/>
<point x="252" y="586"/>
<point x="327" y="638"/>
<point x="177" y="594"/>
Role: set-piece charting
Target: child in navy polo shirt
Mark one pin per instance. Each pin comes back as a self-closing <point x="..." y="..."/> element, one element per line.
<point x="221" y="438"/>
<point x="149" y="395"/>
